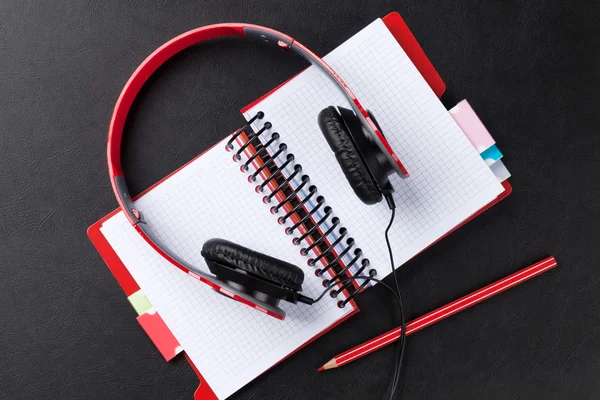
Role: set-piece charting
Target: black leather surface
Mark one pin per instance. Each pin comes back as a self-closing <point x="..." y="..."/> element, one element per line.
<point x="263" y="265"/>
<point x="529" y="68"/>
<point x="346" y="153"/>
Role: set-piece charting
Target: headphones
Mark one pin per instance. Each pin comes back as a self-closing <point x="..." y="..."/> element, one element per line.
<point x="354" y="136"/>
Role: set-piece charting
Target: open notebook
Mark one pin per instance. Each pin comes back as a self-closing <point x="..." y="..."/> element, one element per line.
<point x="231" y="344"/>
<point x="448" y="180"/>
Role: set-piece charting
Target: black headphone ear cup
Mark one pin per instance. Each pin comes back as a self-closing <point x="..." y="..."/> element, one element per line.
<point x="335" y="131"/>
<point x="257" y="264"/>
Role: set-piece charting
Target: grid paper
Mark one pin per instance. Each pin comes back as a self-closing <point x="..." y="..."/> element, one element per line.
<point x="230" y="343"/>
<point x="449" y="181"/>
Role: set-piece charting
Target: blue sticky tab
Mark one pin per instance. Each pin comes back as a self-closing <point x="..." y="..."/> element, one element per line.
<point x="491" y="155"/>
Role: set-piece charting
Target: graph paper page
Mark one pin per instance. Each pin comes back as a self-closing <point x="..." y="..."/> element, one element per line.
<point x="448" y="179"/>
<point x="230" y="343"/>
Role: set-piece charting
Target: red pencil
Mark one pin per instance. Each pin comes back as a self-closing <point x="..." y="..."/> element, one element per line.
<point x="441" y="313"/>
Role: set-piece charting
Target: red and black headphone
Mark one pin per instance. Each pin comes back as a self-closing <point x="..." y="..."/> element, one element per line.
<point x="362" y="151"/>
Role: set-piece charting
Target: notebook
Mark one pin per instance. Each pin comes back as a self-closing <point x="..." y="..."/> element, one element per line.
<point x="227" y="344"/>
<point x="449" y="181"/>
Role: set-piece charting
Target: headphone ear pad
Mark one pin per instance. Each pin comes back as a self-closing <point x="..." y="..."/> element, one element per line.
<point x="336" y="133"/>
<point x="257" y="264"/>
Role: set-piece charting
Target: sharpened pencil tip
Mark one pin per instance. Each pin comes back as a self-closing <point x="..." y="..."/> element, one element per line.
<point x="329" y="365"/>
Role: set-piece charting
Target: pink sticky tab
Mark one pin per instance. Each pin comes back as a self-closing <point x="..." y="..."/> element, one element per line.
<point x="160" y="334"/>
<point x="472" y="126"/>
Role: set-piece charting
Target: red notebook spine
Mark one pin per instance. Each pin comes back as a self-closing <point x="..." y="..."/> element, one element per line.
<point x="259" y="159"/>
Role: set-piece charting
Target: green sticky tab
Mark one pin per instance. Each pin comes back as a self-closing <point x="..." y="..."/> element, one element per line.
<point x="140" y="302"/>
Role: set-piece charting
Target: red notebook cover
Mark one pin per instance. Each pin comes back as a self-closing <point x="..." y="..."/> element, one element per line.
<point x="152" y="323"/>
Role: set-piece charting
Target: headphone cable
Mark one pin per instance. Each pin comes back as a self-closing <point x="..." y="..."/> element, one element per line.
<point x="400" y="347"/>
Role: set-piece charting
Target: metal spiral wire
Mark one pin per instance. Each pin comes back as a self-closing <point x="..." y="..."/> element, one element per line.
<point x="268" y="162"/>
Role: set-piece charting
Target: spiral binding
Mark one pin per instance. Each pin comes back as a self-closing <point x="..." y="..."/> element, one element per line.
<point x="263" y="152"/>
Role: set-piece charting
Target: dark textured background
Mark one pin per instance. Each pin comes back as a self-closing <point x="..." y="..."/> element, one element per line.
<point x="531" y="70"/>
